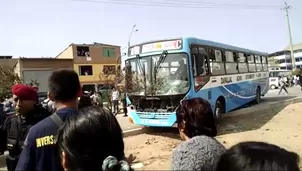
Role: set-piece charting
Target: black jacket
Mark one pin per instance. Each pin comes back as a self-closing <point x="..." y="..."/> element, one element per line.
<point x="14" y="130"/>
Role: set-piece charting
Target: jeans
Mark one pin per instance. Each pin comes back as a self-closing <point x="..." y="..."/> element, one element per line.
<point x="115" y="106"/>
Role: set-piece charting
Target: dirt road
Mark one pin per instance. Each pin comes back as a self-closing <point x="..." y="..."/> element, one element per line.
<point x="281" y="125"/>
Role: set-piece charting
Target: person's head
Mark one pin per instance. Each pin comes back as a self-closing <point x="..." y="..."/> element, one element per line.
<point x="24" y="98"/>
<point x="258" y="156"/>
<point x="84" y="101"/>
<point x="64" y="86"/>
<point x="88" y="139"/>
<point x="195" y="117"/>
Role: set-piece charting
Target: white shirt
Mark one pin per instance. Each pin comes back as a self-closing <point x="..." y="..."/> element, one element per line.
<point x="115" y="95"/>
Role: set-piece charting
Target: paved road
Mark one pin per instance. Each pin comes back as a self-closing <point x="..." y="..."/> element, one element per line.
<point x="270" y="97"/>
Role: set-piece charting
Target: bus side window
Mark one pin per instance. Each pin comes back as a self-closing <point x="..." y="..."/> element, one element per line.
<point x="251" y="62"/>
<point x="216" y="62"/>
<point x="258" y="63"/>
<point x="200" y="65"/>
<point x="264" y="63"/>
<point x="230" y="62"/>
<point x="199" y="54"/>
<point x="242" y="63"/>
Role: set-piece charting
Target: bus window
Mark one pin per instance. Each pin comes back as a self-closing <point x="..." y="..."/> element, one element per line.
<point x="216" y="62"/>
<point x="251" y="62"/>
<point x="242" y="63"/>
<point x="264" y="63"/>
<point x="230" y="62"/>
<point x="258" y="63"/>
<point x="201" y="76"/>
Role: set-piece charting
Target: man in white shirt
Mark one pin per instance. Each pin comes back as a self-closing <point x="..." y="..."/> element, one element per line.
<point x="115" y="98"/>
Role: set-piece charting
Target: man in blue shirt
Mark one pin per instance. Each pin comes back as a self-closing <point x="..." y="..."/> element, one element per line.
<point x="40" y="151"/>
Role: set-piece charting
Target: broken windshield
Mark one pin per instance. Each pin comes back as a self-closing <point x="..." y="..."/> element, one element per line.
<point x="171" y="76"/>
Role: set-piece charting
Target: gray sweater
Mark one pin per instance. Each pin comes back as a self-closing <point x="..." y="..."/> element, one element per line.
<point x="199" y="153"/>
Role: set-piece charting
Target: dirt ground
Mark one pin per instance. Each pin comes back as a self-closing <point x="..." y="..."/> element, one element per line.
<point x="281" y="125"/>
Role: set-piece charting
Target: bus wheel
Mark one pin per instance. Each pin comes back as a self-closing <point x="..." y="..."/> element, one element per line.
<point x="258" y="96"/>
<point x="219" y="109"/>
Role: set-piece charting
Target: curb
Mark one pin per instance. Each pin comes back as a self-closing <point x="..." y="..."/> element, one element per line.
<point x="261" y="107"/>
<point x="134" y="132"/>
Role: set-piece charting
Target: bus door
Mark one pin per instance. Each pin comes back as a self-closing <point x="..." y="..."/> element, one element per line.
<point x="201" y="72"/>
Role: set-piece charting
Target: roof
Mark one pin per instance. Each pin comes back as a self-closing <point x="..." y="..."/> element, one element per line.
<point x="223" y="46"/>
<point x="94" y="44"/>
<point x="195" y="40"/>
<point x="40" y="58"/>
<point x="295" y="46"/>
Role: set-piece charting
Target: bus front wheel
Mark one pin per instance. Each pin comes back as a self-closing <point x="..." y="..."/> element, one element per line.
<point x="219" y="109"/>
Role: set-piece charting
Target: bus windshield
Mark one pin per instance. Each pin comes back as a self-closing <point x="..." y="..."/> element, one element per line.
<point x="167" y="77"/>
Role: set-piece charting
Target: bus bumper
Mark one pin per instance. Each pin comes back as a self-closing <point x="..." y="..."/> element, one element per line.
<point x="152" y="119"/>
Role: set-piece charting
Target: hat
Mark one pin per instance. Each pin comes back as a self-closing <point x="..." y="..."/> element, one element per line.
<point x="24" y="92"/>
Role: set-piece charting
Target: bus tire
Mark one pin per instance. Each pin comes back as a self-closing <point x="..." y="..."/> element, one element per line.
<point x="258" y="95"/>
<point x="219" y="109"/>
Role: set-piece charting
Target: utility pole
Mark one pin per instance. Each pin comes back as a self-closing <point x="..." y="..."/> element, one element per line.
<point x="130" y="35"/>
<point x="286" y="8"/>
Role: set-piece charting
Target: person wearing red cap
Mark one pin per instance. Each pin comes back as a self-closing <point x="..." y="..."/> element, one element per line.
<point x="40" y="151"/>
<point x="16" y="126"/>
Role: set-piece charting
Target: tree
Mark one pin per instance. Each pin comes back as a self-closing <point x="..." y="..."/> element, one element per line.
<point x="111" y="78"/>
<point x="8" y="78"/>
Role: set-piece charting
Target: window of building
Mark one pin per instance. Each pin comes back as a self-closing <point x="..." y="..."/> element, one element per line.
<point x="109" y="69"/>
<point x="83" y="51"/>
<point x="85" y="70"/>
<point x="108" y="52"/>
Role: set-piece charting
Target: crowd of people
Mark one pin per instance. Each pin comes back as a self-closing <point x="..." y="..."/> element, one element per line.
<point x="89" y="137"/>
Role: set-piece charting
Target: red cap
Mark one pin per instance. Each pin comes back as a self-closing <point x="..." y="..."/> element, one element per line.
<point x="24" y="92"/>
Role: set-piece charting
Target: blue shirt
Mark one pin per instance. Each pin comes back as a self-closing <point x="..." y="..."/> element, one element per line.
<point x="40" y="151"/>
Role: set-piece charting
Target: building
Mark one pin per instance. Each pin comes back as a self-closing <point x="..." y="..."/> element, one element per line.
<point x="7" y="62"/>
<point x="93" y="62"/>
<point x="281" y="60"/>
<point x="39" y="69"/>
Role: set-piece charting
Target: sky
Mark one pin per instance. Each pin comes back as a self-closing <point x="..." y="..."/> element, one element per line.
<point x="35" y="28"/>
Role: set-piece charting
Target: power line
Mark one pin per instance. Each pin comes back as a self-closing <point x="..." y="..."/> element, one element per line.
<point x="181" y="4"/>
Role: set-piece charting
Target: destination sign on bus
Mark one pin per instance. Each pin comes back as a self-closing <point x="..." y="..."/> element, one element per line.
<point x="156" y="46"/>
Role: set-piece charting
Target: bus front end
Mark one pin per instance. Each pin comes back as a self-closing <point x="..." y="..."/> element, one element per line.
<point x="156" y="81"/>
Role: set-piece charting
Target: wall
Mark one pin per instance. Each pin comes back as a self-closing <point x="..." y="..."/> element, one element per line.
<point x="8" y="63"/>
<point x="67" y="53"/>
<point x="97" y="70"/>
<point x="50" y="63"/>
<point x="96" y="54"/>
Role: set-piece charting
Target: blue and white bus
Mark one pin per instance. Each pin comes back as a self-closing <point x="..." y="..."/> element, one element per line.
<point x="160" y="74"/>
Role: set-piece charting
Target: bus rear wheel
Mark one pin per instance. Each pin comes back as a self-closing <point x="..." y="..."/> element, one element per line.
<point x="219" y="110"/>
<point x="258" y="96"/>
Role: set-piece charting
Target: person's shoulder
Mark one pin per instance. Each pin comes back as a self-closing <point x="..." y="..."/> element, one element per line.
<point x="42" y="126"/>
<point x="201" y="143"/>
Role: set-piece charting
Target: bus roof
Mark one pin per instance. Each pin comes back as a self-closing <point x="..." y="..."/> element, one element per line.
<point x="193" y="40"/>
